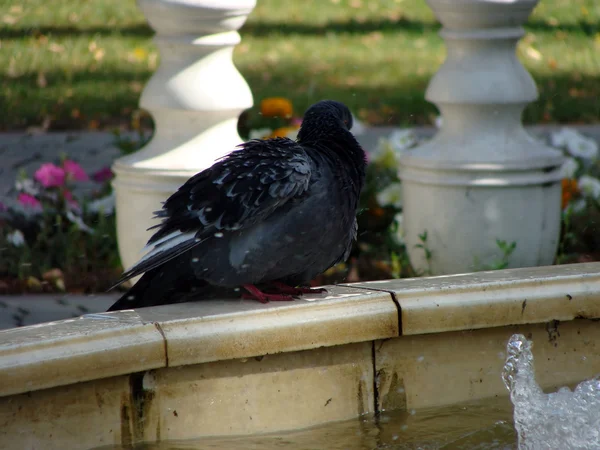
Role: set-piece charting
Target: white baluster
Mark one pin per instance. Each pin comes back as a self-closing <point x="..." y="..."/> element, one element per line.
<point x="482" y="177"/>
<point x="195" y="98"/>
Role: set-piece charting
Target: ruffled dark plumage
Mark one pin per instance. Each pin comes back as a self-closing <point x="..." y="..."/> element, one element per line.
<point x="273" y="210"/>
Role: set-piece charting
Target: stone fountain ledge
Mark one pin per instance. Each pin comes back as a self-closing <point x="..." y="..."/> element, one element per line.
<point x="231" y="367"/>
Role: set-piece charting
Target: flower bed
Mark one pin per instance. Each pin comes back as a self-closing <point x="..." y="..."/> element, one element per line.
<point x="52" y="239"/>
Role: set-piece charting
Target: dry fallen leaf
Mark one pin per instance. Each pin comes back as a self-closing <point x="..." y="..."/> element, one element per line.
<point x="353" y="275"/>
<point x="561" y="35"/>
<point x="33" y="284"/>
<point x="41" y="39"/>
<point x="52" y="274"/>
<point x="41" y="80"/>
<point x="43" y="128"/>
<point x="12" y="71"/>
<point x="577" y="93"/>
<point x="372" y="37"/>
<point x="352" y="80"/>
<point x="152" y="59"/>
<point x="10" y="20"/>
<point x="99" y="54"/>
<point x="56" y="278"/>
<point x="420" y="43"/>
<point x="59" y="283"/>
<point x="136" y="86"/>
<point x="533" y="53"/>
<point x="56" y="48"/>
<point x="140" y="53"/>
<point x="17" y="9"/>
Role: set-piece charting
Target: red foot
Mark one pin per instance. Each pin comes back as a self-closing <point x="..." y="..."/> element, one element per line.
<point x="285" y="289"/>
<point x="257" y="294"/>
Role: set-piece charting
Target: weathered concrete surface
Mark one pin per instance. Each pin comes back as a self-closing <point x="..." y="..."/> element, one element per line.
<point x="31" y="309"/>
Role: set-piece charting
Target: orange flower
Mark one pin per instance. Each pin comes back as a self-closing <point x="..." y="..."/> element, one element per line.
<point x="276" y="107"/>
<point x="377" y="211"/>
<point x="282" y="132"/>
<point x="569" y="190"/>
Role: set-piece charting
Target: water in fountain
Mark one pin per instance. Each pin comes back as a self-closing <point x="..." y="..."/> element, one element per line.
<point x="563" y="419"/>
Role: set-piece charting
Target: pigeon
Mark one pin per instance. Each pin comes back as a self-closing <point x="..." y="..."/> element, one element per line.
<point x="268" y="217"/>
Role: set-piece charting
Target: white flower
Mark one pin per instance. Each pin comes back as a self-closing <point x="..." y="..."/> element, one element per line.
<point x="399" y="218"/>
<point x="27" y="186"/>
<point x="439" y="121"/>
<point x="560" y="138"/>
<point x="389" y="150"/>
<point x="292" y="134"/>
<point x="575" y="143"/>
<point x="16" y="238"/>
<point x="577" y="206"/>
<point x="105" y="205"/>
<point x="590" y="186"/>
<point x="401" y="140"/>
<point x="569" y="168"/>
<point x="79" y="222"/>
<point x="391" y="195"/>
<point x="583" y="147"/>
<point x="260" y="133"/>
<point x="358" y="128"/>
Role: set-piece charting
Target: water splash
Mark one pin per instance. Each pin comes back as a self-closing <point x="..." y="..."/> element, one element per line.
<point x="563" y="419"/>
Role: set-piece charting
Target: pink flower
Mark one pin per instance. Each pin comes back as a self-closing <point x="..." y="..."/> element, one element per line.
<point x="102" y="175"/>
<point x="74" y="171"/>
<point x="29" y="201"/>
<point x="296" y="121"/>
<point x="68" y="195"/>
<point x="50" y="175"/>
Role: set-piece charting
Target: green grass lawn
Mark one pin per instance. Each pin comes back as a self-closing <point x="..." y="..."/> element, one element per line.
<point x="83" y="63"/>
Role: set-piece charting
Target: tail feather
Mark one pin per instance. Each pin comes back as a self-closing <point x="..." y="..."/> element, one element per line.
<point x="175" y="283"/>
<point x="134" y="297"/>
<point x="159" y="286"/>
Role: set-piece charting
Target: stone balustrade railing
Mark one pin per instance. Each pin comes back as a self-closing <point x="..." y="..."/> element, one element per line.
<point x="481" y="179"/>
<point x="195" y="98"/>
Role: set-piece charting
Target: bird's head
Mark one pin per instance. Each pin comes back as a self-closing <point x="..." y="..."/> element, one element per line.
<point x="328" y="112"/>
<point x="327" y="124"/>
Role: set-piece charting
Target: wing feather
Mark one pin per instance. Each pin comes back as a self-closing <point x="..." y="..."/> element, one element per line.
<point x="238" y="191"/>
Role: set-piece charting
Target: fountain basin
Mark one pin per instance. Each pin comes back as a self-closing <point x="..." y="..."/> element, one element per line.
<point x="237" y="367"/>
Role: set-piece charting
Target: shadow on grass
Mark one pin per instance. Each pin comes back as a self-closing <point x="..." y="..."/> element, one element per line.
<point x="109" y="97"/>
<point x="257" y="29"/>
<point x="71" y="101"/>
<point x="140" y="30"/>
<point x="261" y="29"/>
